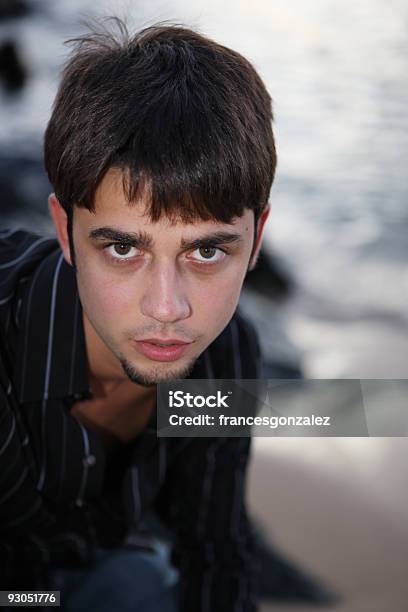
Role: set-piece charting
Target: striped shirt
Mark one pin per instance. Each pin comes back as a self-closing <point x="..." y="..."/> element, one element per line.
<point x="60" y="496"/>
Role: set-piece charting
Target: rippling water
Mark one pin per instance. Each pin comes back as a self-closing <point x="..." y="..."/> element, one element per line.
<point x="337" y="73"/>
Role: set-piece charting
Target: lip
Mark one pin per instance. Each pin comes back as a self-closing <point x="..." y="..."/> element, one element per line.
<point x="161" y="353"/>
<point x="163" y="341"/>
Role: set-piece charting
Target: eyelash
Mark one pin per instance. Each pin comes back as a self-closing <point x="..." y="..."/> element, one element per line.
<point x="123" y="261"/>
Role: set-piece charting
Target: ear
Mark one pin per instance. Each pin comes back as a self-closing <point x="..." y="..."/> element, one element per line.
<point x="60" y="220"/>
<point x="259" y="231"/>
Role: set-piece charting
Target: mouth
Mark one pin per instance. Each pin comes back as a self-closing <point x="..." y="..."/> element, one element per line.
<point x="162" y="350"/>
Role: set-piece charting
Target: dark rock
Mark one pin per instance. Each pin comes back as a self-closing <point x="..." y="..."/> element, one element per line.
<point x="269" y="277"/>
<point x="13" y="73"/>
<point x="13" y="8"/>
<point x="24" y="186"/>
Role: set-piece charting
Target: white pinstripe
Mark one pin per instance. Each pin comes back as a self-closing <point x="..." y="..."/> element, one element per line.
<point x="84" y="476"/>
<point x="7" y="442"/>
<point x="6" y="299"/>
<point x="51" y="326"/>
<point x="17" y="313"/>
<point x="23" y="255"/>
<point x="41" y="479"/>
<point x="30" y="295"/>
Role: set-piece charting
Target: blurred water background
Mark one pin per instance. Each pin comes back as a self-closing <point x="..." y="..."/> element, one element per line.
<point x="337" y="72"/>
<point x="338" y="75"/>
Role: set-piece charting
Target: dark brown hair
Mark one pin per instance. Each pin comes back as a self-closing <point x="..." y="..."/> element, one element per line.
<point x="181" y="114"/>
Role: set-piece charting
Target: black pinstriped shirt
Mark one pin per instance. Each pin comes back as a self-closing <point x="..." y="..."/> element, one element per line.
<point x="60" y="493"/>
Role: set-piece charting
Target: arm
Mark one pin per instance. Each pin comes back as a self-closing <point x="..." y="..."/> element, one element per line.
<point x="20" y="505"/>
<point x="203" y="502"/>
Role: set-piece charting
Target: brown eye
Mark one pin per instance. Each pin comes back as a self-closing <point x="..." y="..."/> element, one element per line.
<point x="208" y="255"/>
<point x="122" y="249"/>
<point x="207" y="252"/>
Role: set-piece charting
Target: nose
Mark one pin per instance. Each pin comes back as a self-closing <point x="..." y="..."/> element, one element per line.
<point x="164" y="298"/>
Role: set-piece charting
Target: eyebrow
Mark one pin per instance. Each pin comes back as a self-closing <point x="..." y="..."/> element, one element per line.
<point x="142" y="240"/>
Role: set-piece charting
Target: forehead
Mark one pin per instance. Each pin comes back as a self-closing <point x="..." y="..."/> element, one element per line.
<point x="111" y="206"/>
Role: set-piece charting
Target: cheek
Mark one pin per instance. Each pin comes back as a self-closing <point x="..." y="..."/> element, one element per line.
<point x="103" y="299"/>
<point x="216" y="302"/>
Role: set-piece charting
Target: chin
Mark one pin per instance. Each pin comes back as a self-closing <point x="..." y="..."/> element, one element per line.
<point x="165" y="372"/>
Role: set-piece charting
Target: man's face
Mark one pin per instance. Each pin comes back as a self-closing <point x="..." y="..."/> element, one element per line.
<point x="141" y="282"/>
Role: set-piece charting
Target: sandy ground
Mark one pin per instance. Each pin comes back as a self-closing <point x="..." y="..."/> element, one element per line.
<point x="338" y="507"/>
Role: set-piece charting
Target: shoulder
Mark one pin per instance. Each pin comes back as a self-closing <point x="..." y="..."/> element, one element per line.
<point x="20" y="245"/>
<point x="20" y="252"/>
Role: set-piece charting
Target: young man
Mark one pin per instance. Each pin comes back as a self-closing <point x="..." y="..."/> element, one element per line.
<point x="161" y="155"/>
